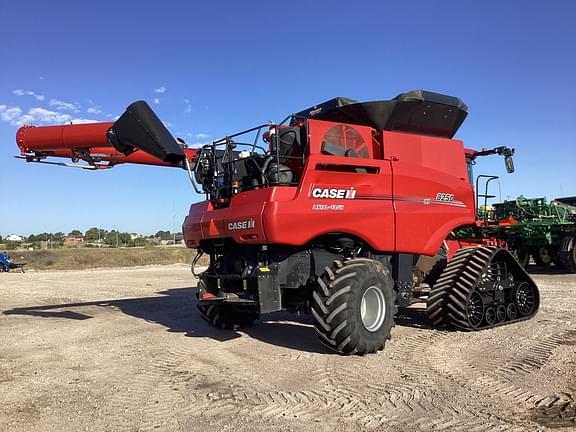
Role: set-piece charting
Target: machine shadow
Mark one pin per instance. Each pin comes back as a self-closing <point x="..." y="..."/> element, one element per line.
<point x="414" y="316"/>
<point x="546" y="270"/>
<point x="175" y="309"/>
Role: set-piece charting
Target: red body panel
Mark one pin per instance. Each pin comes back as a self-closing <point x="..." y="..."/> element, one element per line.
<point x="81" y="141"/>
<point x="47" y="138"/>
<point x="425" y="169"/>
<point x="393" y="206"/>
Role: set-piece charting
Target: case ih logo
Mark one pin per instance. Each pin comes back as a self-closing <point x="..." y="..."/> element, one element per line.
<point x="241" y="225"/>
<point x="349" y="193"/>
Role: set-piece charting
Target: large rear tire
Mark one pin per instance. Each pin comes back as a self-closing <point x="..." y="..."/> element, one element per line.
<point x="567" y="253"/>
<point x="353" y="306"/>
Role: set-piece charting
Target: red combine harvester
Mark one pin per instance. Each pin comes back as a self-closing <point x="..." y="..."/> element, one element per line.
<point x="330" y="216"/>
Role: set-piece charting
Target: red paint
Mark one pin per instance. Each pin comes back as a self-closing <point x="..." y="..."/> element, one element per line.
<point x="81" y="141"/>
<point x="394" y="210"/>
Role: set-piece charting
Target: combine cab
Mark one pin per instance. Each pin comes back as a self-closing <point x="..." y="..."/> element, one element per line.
<point x="327" y="212"/>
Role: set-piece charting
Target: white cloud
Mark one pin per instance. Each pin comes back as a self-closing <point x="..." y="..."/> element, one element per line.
<point x="168" y="124"/>
<point x="157" y="101"/>
<point x="66" y="106"/>
<point x="16" y="117"/>
<point x="201" y="139"/>
<point x="20" y="92"/>
<point x="94" y="110"/>
<point x="161" y="89"/>
<point x="10" y="114"/>
<point x="188" y="106"/>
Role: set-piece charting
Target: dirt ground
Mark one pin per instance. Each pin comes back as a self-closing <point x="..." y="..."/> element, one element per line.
<point x="124" y="349"/>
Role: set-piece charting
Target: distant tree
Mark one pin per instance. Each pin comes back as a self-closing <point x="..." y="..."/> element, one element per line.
<point x="94" y="234"/>
<point x="163" y="235"/>
<point x="75" y="233"/>
<point x="58" y="236"/>
<point x="112" y="238"/>
<point x="0" y="238"/>
<point x="139" y="242"/>
<point x="125" y="237"/>
<point x="11" y="245"/>
<point x="39" y="237"/>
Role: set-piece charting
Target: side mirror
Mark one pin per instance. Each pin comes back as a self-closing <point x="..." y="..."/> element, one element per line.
<point x="509" y="162"/>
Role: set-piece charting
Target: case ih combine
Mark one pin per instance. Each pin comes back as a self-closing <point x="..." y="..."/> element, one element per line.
<point x="330" y="215"/>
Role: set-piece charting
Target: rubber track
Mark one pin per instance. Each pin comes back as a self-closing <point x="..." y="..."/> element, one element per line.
<point x="436" y="303"/>
<point x="448" y="300"/>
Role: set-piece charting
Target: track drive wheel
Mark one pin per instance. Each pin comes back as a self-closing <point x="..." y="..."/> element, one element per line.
<point x="542" y="256"/>
<point x="353" y="306"/>
<point x="567" y="253"/>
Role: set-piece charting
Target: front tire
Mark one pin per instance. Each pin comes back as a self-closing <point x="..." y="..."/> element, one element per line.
<point x="353" y="306"/>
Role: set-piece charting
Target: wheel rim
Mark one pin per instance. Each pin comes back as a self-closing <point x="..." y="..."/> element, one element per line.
<point x="372" y="309"/>
<point x="525" y="298"/>
<point x="475" y="309"/>
<point x="500" y="313"/>
<point x="544" y="255"/>
<point x="511" y="311"/>
<point x="490" y="316"/>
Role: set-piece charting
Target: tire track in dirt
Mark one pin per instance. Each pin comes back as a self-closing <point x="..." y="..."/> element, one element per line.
<point x="333" y="408"/>
<point x="501" y="382"/>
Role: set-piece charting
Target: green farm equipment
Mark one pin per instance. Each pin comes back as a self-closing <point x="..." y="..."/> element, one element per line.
<point x="534" y="227"/>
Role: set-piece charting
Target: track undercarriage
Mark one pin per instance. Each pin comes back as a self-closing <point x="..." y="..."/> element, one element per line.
<point x="482" y="287"/>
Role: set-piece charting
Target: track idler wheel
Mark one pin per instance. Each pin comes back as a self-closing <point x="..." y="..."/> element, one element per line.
<point x="490" y="316"/>
<point x="501" y="313"/>
<point x="511" y="311"/>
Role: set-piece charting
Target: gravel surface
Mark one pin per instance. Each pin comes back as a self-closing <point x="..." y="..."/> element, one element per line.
<point x="124" y="349"/>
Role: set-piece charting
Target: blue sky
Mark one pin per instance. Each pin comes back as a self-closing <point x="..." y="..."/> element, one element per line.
<point x="218" y="67"/>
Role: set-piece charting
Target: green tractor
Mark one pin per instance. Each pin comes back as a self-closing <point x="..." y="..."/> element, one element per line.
<point x="545" y="231"/>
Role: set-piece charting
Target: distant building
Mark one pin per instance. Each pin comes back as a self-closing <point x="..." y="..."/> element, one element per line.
<point x="14" y="238"/>
<point x="71" y="240"/>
